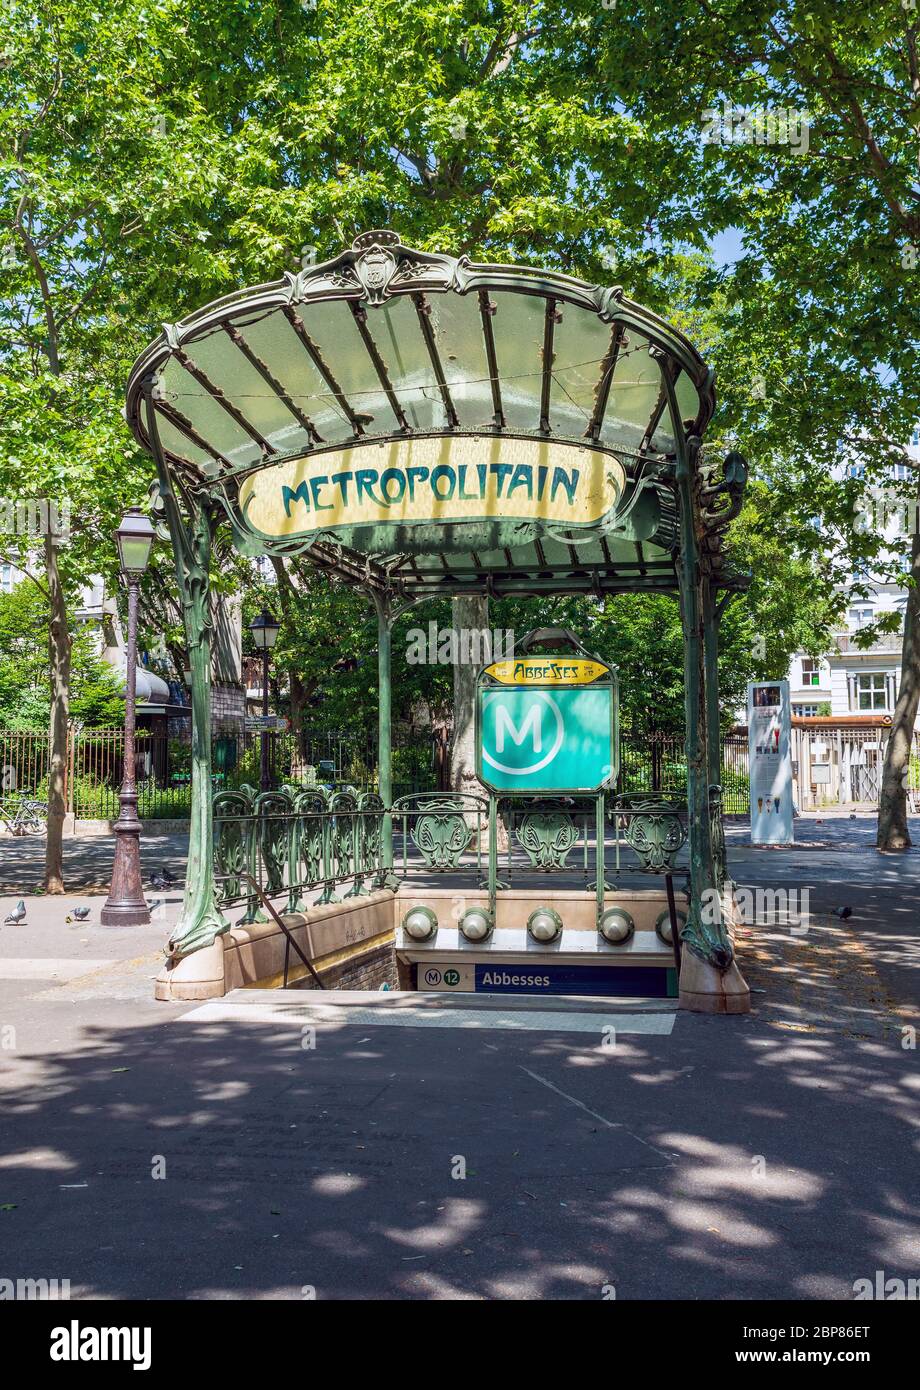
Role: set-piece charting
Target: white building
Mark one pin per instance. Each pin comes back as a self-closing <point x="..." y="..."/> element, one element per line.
<point x="852" y="681"/>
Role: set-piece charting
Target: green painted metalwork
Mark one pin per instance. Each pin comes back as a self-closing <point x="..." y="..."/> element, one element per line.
<point x="292" y="840"/>
<point x="548" y="836"/>
<point x="655" y="832"/>
<point x="443" y="827"/>
<point x="600" y="884"/>
<point x="705" y="933"/>
<point x="200" y="920"/>
<point x="340" y="844"/>
<point x="233" y="843"/>
<point x="441" y="834"/>
<point x="273" y="810"/>
<point x="370" y="832"/>
<point x="711" y="681"/>
<point x="650" y="516"/>
<point x="384" y="728"/>
<point x="306" y="850"/>
<point x="717" y="833"/>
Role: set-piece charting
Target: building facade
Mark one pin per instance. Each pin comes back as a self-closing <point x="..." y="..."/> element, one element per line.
<point x="852" y="679"/>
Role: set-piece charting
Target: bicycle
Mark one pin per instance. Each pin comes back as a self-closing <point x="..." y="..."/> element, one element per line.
<point x="29" y="817"/>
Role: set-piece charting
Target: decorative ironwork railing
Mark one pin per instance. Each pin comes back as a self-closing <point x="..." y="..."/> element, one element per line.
<point x="295" y="841"/>
<point x="300" y="847"/>
<point x="448" y="832"/>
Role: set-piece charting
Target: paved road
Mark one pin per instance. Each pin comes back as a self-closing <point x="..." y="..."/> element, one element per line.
<point x="762" y="1157"/>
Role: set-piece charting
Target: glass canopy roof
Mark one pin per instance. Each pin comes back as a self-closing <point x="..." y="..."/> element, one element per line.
<point x="356" y="362"/>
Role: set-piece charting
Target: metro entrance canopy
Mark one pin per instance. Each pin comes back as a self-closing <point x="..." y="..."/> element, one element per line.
<point x="421" y="426"/>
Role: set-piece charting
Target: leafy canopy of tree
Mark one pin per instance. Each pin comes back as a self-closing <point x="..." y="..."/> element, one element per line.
<point x="25" y="691"/>
<point x="155" y="157"/>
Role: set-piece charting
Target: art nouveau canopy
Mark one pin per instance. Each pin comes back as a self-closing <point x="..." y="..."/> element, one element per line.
<point x="427" y="425"/>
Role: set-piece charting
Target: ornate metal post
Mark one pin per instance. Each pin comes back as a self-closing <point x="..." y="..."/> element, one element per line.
<point x="384" y="734"/>
<point x="705" y="933"/>
<point x="711" y="674"/>
<point x="126" y="905"/>
<point x="200" y="921"/>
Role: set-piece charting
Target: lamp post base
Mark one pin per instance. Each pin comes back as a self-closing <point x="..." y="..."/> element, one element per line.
<point x="126" y="905"/>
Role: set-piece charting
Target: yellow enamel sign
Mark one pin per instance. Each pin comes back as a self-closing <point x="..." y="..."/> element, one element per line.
<point x="546" y="670"/>
<point x="441" y="481"/>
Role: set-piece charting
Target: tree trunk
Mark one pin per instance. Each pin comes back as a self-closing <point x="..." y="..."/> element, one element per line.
<point x="59" y="646"/>
<point x="298" y="696"/>
<point x="892" y="807"/>
<point x="468" y="614"/>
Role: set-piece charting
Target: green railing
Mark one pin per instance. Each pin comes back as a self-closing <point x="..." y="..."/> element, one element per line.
<point x="294" y="842"/>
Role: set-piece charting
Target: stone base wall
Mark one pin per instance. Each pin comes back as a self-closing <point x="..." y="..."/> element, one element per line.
<point x="350" y="945"/>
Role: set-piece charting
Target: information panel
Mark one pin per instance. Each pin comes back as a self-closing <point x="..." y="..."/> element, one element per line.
<point x="769" y="736"/>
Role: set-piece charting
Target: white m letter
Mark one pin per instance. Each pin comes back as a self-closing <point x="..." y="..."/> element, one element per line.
<point x="504" y="723"/>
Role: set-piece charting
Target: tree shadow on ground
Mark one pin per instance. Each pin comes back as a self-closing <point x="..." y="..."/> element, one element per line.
<point x="730" y="1160"/>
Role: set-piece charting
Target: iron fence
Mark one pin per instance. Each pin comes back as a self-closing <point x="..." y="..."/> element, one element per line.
<point x="655" y="762"/>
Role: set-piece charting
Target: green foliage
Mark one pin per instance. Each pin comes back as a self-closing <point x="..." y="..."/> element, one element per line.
<point x="96" y="691"/>
<point x="157" y="157"/>
<point x="25" y="696"/>
<point x="23" y="658"/>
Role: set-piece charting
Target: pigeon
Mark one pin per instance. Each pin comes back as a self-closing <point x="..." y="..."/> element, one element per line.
<point x="80" y="913"/>
<point x="162" y="879"/>
<point x="843" y="913"/>
<point x="18" y="912"/>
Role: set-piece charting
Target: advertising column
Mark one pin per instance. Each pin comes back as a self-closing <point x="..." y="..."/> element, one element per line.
<point x="769" y="738"/>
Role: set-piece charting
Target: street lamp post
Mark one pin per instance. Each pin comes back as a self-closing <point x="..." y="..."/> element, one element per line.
<point x="264" y="630"/>
<point x="126" y="905"/>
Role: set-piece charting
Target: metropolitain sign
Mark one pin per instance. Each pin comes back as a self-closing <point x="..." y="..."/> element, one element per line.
<point x="420" y="489"/>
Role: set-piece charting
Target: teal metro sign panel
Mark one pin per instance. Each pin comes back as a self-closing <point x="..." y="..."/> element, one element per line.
<point x="546" y="738"/>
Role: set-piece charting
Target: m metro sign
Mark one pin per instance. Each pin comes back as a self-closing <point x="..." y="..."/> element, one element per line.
<point x="547" y="724"/>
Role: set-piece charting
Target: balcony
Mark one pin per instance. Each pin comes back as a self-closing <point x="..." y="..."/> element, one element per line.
<point x="888" y="644"/>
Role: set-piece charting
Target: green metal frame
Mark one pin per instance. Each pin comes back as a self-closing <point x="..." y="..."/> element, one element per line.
<point x="200" y="921"/>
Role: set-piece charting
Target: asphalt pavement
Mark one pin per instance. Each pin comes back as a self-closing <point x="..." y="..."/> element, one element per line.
<point x="159" y="1151"/>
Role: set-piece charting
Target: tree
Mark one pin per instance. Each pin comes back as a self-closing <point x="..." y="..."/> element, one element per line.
<point x="158" y="157"/>
<point x="818" y="355"/>
<point x="23" y="657"/>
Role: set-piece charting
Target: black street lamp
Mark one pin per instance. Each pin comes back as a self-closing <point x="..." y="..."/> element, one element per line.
<point x="126" y="905"/>
<point x="264" y="630"/>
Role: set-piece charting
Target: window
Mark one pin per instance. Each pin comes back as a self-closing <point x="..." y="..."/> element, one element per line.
<point x="859" y="617"/>
<point x="871" y="691"/>
<point x="6" y="579"/>
<point x="856" y="470"/>
<point x="810" y="672"/>
<point x="805" y="711"/>
<point x="902" y="471"/>
<point x="915" y="439"/>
